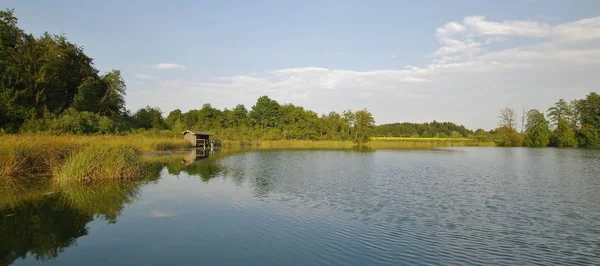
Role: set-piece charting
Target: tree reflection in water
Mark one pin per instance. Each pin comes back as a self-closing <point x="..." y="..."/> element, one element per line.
<point x="47" y="218"/>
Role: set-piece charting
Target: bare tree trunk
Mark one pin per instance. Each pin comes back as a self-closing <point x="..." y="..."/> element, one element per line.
<point x="523" y="121"/>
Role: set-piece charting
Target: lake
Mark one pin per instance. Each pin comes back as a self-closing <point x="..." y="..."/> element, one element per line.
<point x="299" y="207"/>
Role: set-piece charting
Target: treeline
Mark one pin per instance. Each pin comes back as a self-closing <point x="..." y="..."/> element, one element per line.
<point x="425" y="130"/>
<point x="48" y="84"/>
<point x="50" y="78"/>
<point x="266" y="120"/>
<point x="574" y="124"/>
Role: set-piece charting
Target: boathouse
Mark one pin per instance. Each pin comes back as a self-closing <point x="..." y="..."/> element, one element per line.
<point x="197" y="138"/>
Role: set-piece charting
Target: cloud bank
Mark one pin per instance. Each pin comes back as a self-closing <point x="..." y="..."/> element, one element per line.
<point x="480" y="67"/>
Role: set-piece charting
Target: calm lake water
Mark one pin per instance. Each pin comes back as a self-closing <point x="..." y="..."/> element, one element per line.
<point x="448" y="206"/>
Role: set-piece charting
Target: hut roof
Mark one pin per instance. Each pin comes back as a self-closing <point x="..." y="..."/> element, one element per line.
<point x="196" y="133"/>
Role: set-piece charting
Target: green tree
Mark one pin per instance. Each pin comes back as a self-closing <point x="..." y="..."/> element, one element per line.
<point x="240" y="115"/>
<point x="348" y="118"/>
<point x="508" y="137"/>
<point x="149" y="117"/>
<point x="89" y="95"/>
<point x="265" y="112"/>
<point x="588" y="113"/>
<point x="588" y="137"/>
<point x="173" y="117"/>
<point x="560" y="111"/>
<point x="537" y="133"/>
<point x="113" y="100"/>
<point x="562" y="119"/>
<point x="563" y="135"/>
<point x="482" y="135"/>
<point x="364" y="127"/>
<point x="37" y="75"/>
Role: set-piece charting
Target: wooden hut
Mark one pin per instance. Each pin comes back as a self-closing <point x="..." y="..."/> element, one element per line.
<point x="197" y="138"/>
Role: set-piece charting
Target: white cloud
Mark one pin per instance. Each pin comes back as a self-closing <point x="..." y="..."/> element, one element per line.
<point x="467" y="81"/>
<point x="450" y="28"/>
<point x="162" y="66"/>
<point x="479" y="25"/>
<point x="579" y="31"/>
<point x="145" y="76"/>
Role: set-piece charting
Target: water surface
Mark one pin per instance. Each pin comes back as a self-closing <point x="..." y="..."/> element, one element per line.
<point x="450" y="206"/>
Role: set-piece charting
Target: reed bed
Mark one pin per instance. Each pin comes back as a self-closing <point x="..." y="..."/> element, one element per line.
<point x="100" y="162"/>
<point x="84" y="158"/>
<point x="23" y="155"/>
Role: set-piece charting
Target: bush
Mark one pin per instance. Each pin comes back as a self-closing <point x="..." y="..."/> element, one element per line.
<point x="508" y="137"/>
<point x="74" y="122"/>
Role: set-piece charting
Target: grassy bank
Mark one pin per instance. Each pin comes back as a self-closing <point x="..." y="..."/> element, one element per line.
<point x="84" y="158"/>
<point x="22" y="155"/>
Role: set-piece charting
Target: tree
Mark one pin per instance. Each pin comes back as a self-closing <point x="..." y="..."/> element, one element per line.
<point x="563" y="135"/>
<point x="562" y="119"/>
<point x="149" y="117"/>
<point x="482" y="135"/>
<point x="364" y="125"/>
<point x="588" y="137"/>
<point x="588" y="113"/>
<point x="508" y="137"/>
<point x="560" y="111"/>
<point x="89" y="95"/>
<point x="265" y="112"/>
<point x="173" y="117"/>
<point x="37" y="75"/>
<point x="508" y="118"/>
<point x="537" y="133"/>
<point x="240" y="115"/>
<point x="348" y="120"/>
<point x="523" y="117"/>
<point x="113" y="100"/>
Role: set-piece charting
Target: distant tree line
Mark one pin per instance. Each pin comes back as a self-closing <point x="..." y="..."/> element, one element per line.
<point x="424" y="130"/>
<point x="267" y="120"/>
<point x="574" y="124"/>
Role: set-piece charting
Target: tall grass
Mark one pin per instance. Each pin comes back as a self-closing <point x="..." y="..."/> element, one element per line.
<point x="22" y="155"/>
<point x="70" y="156"/>
<point x="100" y="162"/>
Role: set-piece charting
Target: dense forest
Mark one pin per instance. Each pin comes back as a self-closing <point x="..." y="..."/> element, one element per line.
<point x="49" y="85"/>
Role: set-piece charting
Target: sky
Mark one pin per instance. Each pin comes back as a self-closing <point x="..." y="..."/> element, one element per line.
<point x="405" y="61"/>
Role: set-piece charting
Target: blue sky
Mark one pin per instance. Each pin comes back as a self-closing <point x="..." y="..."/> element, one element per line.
<point x="414" y="61"/>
